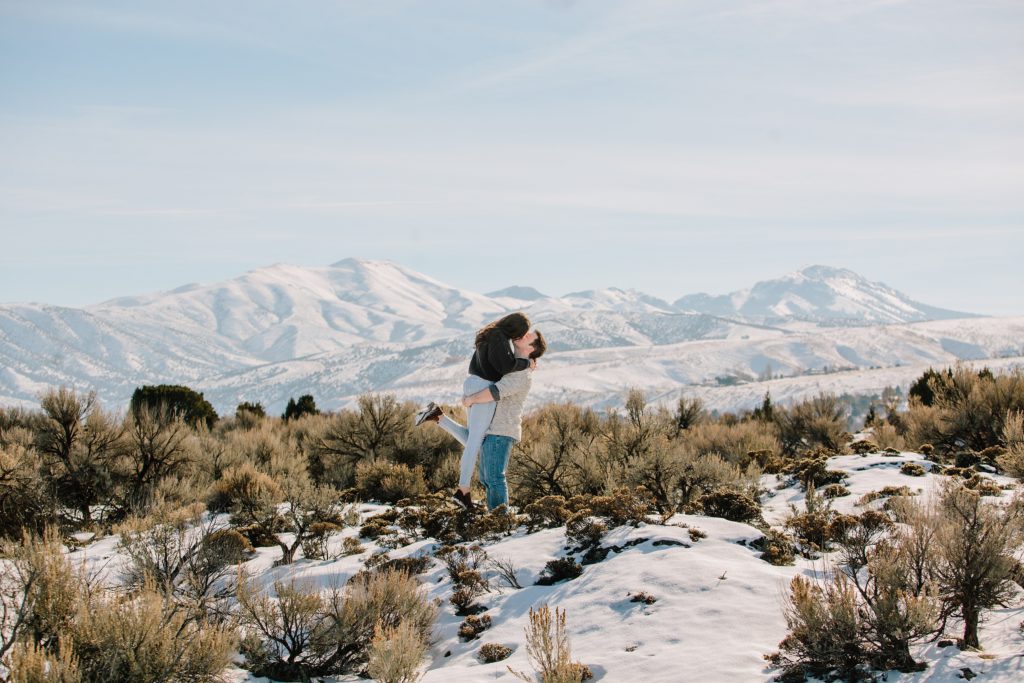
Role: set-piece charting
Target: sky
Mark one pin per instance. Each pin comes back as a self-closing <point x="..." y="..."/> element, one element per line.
<point x="669" y="146"/>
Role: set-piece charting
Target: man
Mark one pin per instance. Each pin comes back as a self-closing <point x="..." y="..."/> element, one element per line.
<point x="505" y="430"/>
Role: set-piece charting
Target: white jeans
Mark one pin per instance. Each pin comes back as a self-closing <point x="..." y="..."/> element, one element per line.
<point x="471" y="436"/>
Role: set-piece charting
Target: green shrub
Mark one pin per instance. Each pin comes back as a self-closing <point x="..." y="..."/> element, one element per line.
<point x="561" y="569"/>
<point x="731" y="505"/>
<point x="584" y="531"/>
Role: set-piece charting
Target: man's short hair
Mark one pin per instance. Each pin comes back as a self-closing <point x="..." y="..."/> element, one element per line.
<point x="539" y="346"/>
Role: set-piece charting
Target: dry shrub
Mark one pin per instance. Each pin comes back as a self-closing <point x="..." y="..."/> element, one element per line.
<point x="245" y="489"/>
<point x="226" y="547"/>
<point x="976" y="542"/>
<point x="315" y="545"/>
<point x="733" y="442"/>
<point x="31" y="663"/>
<point x="703" y="474"/>
<point x="1012" y="462"/>
<point x="558" y="455"/>
<point x="863" y="447"/>
<point x="547" y="645"/>
<point x="288" y="637"/>
<point x="351" y="546"/>
<point x="144" y="637"/>
<point x="389" y="482"/>
<point x="494" y="652"/>
<point x="823" y="639"/>
<point x="546" y="513"/>
<point x="814" y="471"/>
<point x="24" y="495"/>
<point x="814" y="527"/>
<point x="40" y="591"/>
<point x="396" y="653"/>
<point x="888" y="436"/>
<point x="465" y="565"/>
<point x="818" y="422"/>
<point x="912" y="469"/>
<point x="622" y="506"/>
<point x="584" y="531"/>
<point x="776" y="548"/>
<point x="969" y="409"/>
<point x="380" y="428"/>
<point x="473" y="626"/>
<point x="864" y="618"/>
<point x="378" y="599"/>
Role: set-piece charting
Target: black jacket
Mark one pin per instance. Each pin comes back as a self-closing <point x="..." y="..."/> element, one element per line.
<point x="494" y="358"/>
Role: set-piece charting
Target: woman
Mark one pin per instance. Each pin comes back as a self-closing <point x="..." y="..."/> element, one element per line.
<point x="494" y="356"/>
<point x="509" y="395"/>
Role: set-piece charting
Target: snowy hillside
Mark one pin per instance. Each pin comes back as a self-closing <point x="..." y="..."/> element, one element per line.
<point x="717" y="607"/>
<point x="359" y="326"/>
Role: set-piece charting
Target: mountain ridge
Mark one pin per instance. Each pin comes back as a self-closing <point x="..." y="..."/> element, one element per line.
<point x="359" y="325"/>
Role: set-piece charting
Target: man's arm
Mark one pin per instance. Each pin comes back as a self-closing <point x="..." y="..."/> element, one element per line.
<point x="508" y="386"/>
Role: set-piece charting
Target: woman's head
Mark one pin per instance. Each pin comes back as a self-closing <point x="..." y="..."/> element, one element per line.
<point x="513" y="326"/>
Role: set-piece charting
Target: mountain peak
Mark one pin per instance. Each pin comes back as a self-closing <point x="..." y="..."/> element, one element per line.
<point x="818" y="294"/>
<point x="821" y="273"/>
<point x="518" y="292"/>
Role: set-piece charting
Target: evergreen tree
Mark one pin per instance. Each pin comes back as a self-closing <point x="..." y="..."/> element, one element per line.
<point x="296" y="409"/>
<point x="255" y="409"/>
<point x="177" y="401"/>
<point x="766" y="411"/>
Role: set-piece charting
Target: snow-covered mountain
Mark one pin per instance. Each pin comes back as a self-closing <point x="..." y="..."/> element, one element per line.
<point x="818" y="294"/>
<point x="358" y="326"/>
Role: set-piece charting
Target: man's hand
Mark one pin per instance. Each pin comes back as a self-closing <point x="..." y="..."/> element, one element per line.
<point x="533" y="363"/>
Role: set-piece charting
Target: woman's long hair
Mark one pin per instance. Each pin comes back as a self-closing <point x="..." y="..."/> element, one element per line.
<point x="513" y="326"/>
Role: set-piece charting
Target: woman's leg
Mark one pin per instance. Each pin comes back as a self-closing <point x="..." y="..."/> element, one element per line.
<point x="494" y="457"/>
<point x="454" y="428"/>
<point x="478" y="420"/>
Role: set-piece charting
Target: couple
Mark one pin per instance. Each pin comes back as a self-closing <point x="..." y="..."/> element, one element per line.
<point x="500" y="376"/>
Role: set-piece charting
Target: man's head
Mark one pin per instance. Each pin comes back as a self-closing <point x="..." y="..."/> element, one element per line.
<point x="539" y="346"/>
<point x="530" y="345"/>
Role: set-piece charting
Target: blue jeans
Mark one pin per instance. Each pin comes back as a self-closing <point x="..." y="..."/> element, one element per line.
<point x="493" y="463"/>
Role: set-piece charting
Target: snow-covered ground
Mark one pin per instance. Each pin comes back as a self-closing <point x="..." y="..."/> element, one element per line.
<point x="718" y="607"/>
